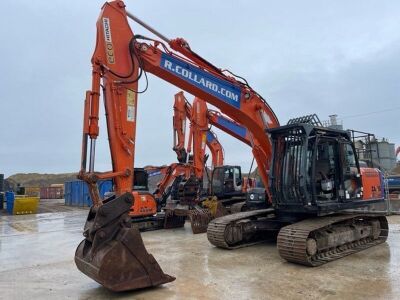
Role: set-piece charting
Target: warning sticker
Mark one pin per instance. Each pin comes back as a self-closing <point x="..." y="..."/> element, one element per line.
<point x="130" y="102"/>
<point x="131" y="113"/>
<point x="130" y="97"/>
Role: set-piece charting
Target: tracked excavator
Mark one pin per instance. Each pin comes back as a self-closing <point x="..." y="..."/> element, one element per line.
<point x="226" y="190"/>
<point x="226" y="181"/>
<point x="311" y="174"/>
<point x="184" y="179"/>
<point x="200" y="132"/>
<point x="181" y="187"/>
<point x="188" y="189"/>
<point x="182" y="183"/>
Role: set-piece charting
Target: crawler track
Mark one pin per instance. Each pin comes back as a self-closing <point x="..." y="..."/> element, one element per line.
<point x="292" y="239"/>
<point x="228" y="231"/>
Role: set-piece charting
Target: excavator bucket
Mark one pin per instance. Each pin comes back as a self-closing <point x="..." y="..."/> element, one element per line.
<point x="199" y="219"/>
<point x="113" y="253"/>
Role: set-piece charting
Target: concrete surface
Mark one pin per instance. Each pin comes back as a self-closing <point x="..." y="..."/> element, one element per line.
<point x="36" y="262"/>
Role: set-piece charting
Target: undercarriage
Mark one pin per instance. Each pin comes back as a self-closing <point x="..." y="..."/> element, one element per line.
<point x="311" y="241"/>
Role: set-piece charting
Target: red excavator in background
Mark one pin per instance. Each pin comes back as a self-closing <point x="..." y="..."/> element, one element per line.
<point x="397" y="151"/>
<point x="310" y="173"/>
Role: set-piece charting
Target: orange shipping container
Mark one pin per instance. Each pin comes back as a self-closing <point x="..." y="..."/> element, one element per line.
<point x="32" y="191"/>
<point x="51" y="192"/>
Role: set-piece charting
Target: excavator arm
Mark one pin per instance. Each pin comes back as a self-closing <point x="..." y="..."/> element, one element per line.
<point x="174" y="62"/>
<point x="179" y="129"/>
<point x="112" y="252"/>
<point x="217" y="152"/>
<point x="173" y="171"/>
<point x="200" y="115"/>
<point x="200" y="134"/>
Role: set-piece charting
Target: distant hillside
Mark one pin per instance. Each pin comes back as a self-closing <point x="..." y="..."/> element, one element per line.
<point x="36" y="179"/>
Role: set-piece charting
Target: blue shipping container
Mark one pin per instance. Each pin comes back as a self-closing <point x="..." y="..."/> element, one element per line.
<point x="393" y="183"/>
<point x="76" y="193"/>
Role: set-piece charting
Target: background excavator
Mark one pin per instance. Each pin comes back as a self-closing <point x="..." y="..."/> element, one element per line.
<point x="184" y="180"/>
<point x="182" y="186"/>
<point x="226" y="187"/>
<point x="199" y="131"/>
<point x="201" y="120"/>
<point x="190" y="163"/>
<point x="310" y="173"/>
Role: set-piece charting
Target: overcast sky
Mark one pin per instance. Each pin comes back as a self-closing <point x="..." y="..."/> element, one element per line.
<point x="324" y="57"/>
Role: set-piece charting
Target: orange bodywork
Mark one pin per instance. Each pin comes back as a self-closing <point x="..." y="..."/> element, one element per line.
<point x="179" y="128"/>
<point x="254" y="113"/>
<point x="143" y="205"/>
<point x="111" y="65"/>
<point x="200" y="134"/>
<point x="110" y="62"/>
<point x="119" y="60"/>
<point x="371" y="183"/>
<point x="217" y="152"/>
<point x="173" y="171"/>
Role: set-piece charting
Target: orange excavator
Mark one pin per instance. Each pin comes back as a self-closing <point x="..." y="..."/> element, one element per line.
<point x="193" y="204"/>
<point x="226" y="185"/>
<point x="190" y="167"/>
<point x="183" y="181"/>
<point x="310" y="173"/>
<point x="200" y="134"/>
<point x="201" y="119"/>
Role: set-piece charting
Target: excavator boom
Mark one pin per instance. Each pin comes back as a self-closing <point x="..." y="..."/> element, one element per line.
<point x="112" y="252"/>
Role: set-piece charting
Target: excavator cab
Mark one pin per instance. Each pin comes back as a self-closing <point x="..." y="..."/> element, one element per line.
<point x="226" y="182"/>
<point x="140" y="180"/>
<point x="314" y="170"/>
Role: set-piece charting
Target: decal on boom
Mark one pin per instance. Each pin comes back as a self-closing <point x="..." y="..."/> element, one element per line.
<point x="215" y="86"/>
